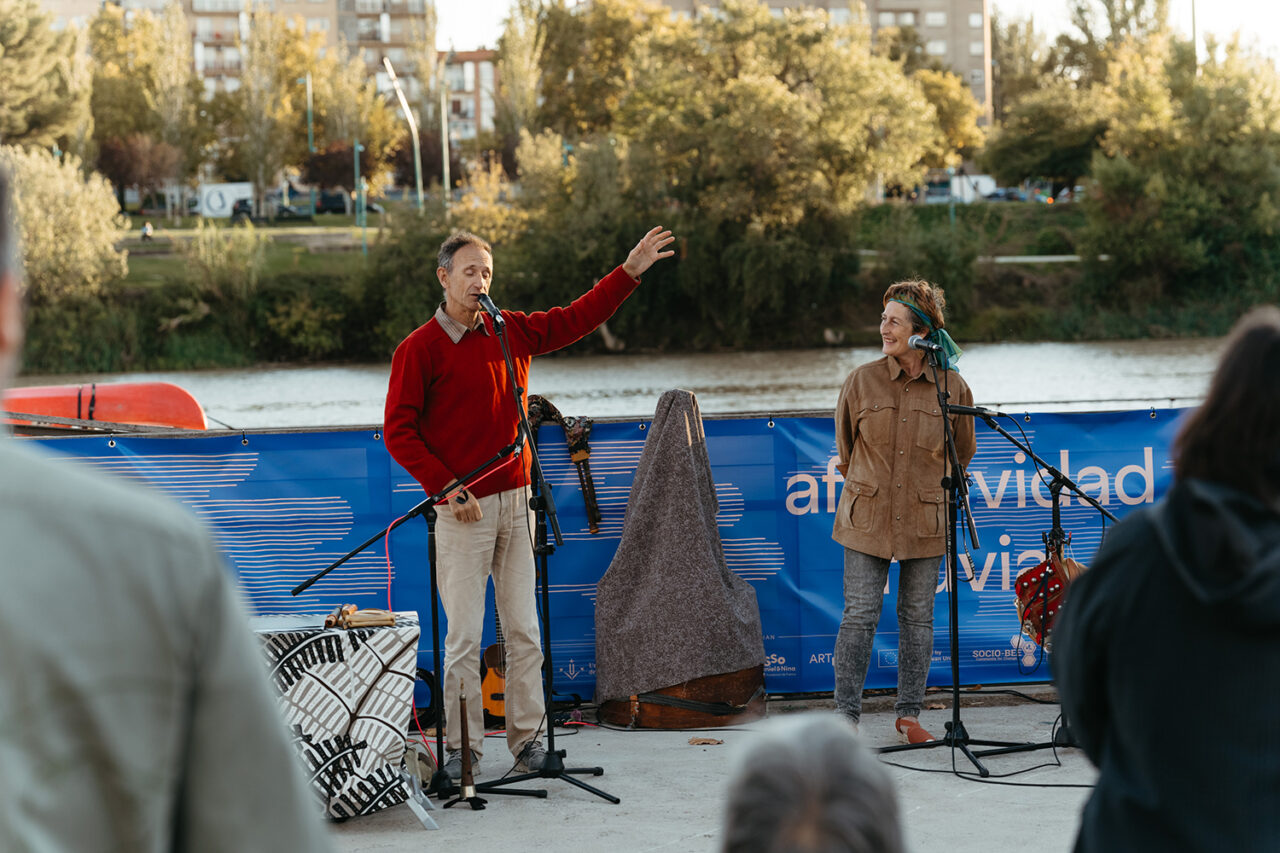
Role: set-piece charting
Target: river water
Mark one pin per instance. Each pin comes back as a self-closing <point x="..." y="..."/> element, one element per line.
<point x="1036" y="377"/>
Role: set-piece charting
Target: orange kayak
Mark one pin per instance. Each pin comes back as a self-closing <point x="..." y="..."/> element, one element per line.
<point x="160" y="404"/>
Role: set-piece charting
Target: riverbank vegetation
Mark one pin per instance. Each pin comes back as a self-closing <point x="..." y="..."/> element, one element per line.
<point x="782" y="152"/>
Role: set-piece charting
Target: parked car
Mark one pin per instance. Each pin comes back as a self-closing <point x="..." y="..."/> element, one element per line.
<point x="1068" y="194"/>
<point x="1005" y="194"/>
<point x="937" y="194"/>
<point x="290" y="211"/>
<point x="334" y="201"/>
<point x="242" y="210"/>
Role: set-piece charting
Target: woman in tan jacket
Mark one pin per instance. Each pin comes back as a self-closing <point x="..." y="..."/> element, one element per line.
<point x="890" y="438"/>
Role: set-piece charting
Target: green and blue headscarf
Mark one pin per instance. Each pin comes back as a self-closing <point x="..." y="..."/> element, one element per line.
<point x="951" y="352"/>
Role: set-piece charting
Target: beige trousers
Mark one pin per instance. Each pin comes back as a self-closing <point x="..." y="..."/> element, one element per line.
<point x="498" y="545"/>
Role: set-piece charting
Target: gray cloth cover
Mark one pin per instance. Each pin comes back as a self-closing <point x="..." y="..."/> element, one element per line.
<point x="668" y="609"/>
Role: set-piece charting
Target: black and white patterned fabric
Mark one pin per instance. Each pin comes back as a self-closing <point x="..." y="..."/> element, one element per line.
<point x="347" y="694"/>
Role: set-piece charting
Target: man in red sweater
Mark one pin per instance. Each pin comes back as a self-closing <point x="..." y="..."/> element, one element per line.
<point x="450" y="407"/>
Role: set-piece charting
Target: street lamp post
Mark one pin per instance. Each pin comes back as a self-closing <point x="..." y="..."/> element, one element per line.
<point x="364" y="216"/>
<point x="311" y="135"/>
<point x="356" y="148"/>
<point x="413" y="128"/>
<point x="444" y="133"/>
<point x="951" y="199"/>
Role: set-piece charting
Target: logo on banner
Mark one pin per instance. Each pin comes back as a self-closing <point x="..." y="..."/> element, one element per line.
<point x="777" y="664"/>
<point x="887" y="658"/>
<point x="1024" y="646"/>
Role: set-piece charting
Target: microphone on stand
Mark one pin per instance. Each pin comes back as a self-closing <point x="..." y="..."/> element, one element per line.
<point x="917" y="342"/>
<point x="492" y="310"/>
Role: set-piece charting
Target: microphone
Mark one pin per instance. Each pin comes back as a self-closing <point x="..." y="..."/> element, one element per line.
<point x="492" y="310"/>
<point x="917" y="342"/>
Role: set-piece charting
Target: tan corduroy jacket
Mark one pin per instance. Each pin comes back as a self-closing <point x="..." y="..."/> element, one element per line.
<point x="892" y="454"/>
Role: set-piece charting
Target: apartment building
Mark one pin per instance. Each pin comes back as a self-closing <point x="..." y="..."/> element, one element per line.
<point x="371" y="28"/>
<point x="957" y="33"/>
<point x="470" y="79"/>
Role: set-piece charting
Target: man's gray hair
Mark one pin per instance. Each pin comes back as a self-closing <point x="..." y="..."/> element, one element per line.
<point x="806" y="784"/>
<point x="456" y="241"/>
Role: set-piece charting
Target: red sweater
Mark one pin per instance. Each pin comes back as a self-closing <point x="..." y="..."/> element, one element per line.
<point x="450" y="407"/>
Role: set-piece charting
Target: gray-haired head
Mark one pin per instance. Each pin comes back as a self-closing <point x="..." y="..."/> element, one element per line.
<point x="456" y="241"/>
<point x="806" y="784"/>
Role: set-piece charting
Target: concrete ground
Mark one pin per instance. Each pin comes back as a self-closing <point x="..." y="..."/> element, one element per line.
<point x="672" y="791"/>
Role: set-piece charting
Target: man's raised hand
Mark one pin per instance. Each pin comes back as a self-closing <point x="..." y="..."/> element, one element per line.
<point x="648" y="251"/>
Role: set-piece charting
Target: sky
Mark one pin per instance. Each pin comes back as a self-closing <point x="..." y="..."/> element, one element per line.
<point x="468" y="24"/>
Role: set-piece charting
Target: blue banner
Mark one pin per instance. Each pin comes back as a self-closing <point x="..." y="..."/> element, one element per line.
<point x="285" y="505"/>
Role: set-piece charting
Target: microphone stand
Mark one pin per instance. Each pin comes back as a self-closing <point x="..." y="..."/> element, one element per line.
<point x="441" y="784"/>
<point x="1057" y="537"/>
<point x="956" y="485"/>
<point x="544" y="509"/>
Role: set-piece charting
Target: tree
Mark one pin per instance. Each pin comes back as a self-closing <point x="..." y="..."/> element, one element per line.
<point x="1051" y="132"/>
<point x="334" y="166"/>
<point x="349" y="107"/>
<point x="753" y="118"/>
<point x="1101" y="25"/>
<point x="957" y="113"/>
<point x="579" y="208"/>
<point x="519" y="61"/>
<point x="146" y="98"/>
<point x="265" y="118"/>
<point x="904" y="46"/>
<point x="177" y="96"/>
<point x="1186" y="186"/>
<point x="1021" y="62"/>
<point x="68" y="224"/>
<point x="588" y="60"/>
<point x="124" y="54"/>
<point x="41" y="100"/>
<point x="138" y="162"/>
<point x="427" y="68"/>
<point x="431" y="155"/>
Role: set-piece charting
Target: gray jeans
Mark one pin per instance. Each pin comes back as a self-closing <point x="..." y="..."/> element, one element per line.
<point x="864" y="583"/>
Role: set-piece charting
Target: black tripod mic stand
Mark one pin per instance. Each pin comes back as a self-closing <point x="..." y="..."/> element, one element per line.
<point x="543" y="505"/>
<point x="1056" y="538"/>
<point x="957" y="735"/>
<point x="441" y="784"/>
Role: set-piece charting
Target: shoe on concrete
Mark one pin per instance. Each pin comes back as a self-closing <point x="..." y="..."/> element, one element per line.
<point x="532" y="757"/>
<point x="454" y="765"/>
<point x="910" y="731"/>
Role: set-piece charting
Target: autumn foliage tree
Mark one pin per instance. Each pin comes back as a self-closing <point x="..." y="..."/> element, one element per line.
<point x="1185" y="198"/>
<point x="41" y="100"/>
<point x="68" y="224"/>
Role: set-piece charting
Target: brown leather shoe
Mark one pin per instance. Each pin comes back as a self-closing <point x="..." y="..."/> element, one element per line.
<point x="910" y="731"/>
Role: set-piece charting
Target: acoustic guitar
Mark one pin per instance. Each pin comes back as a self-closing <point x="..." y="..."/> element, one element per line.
<point x="493" y="679"/>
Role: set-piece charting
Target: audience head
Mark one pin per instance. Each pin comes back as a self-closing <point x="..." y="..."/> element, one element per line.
<point x="806" y="784"/>
<point x="1231" y="437"/>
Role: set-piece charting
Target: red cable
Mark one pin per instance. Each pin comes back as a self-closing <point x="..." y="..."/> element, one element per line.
<point x="386" y="547"/>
